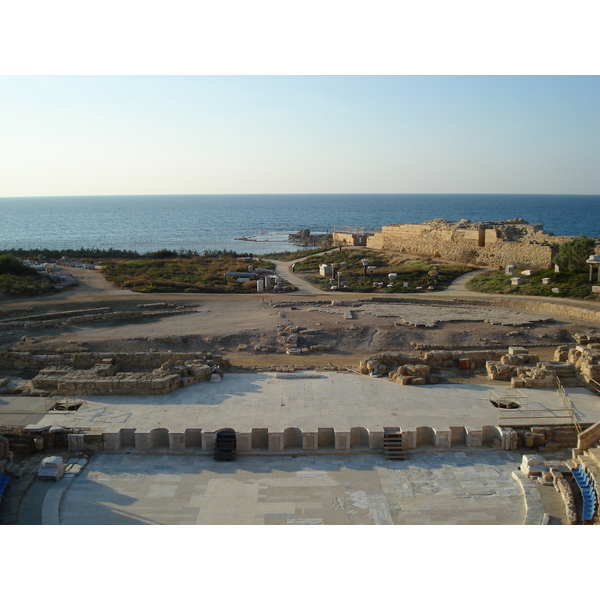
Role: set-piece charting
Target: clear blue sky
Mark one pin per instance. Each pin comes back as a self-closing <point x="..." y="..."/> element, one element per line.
<point x="80" y="135"/>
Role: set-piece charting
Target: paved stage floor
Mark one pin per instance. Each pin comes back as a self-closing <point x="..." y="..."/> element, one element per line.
<point x="307" y="401"/>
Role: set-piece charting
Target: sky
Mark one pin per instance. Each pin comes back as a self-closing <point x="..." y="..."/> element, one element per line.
<point x="443" y="98"/>
<point x="101" y="135"/>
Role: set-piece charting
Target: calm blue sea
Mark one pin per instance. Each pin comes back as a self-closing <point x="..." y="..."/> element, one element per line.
<point x="214" y="222"/>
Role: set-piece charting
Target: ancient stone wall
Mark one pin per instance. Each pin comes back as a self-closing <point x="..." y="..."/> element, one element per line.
<point x="344" y="239"/>
<point x="86" y="360"/>
<point x="105" y="379"/>
<point x="491" y="243"/>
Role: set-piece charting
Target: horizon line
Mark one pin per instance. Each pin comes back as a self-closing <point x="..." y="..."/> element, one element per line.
<point x="310" y="194"/>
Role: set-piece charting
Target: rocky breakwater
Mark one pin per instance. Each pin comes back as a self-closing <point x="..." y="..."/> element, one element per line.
<point x="305" y="238"/>
<point x="106" y="379"/>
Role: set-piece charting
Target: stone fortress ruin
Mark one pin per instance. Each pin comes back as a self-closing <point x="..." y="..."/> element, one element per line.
<point x="491" y="243"/>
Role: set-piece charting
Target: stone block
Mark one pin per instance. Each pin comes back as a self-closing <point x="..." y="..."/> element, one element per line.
<point x="443" y="439"/>
<point x="243" y="441"/>
<point x="517" y="350"/>
<point x="532" y="465"/>
<point x="75" y="442"/>
<point x="51" y="467"/>
<point x="474" y="438"/>
<point x="342" y="440"/>
<point x="409" y="439"/>
<point x="275" y="442"/>
<point x="176" y="442"/>
<point x="310" y="440"/>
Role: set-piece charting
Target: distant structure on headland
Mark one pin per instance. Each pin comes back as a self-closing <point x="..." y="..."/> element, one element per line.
<point x="491" y="243"/>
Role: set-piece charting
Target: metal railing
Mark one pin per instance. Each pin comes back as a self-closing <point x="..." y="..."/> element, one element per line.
<point x="539" y="416"/>
<point x="567" y="404"/>
<point x="592" y="383"/>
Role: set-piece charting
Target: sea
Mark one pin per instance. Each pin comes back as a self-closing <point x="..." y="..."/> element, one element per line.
<point x="250" y="223"/>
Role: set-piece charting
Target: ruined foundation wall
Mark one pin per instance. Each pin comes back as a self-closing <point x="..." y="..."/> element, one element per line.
<point x="86" y="360"/>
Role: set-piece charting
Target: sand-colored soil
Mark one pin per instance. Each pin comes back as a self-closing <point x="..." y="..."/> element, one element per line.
<point x="221" y="323"/>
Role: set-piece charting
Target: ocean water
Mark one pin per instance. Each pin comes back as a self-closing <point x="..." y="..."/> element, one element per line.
<point x="216" y="222"/>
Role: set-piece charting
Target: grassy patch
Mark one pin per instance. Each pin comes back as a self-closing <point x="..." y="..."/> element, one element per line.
<point x="575" y="285"/>
<point x="199" y="275"/>
<point x="15" y="286"/>
<point x="289" y="255"/>
<point x="414" y="272"/>
<point x="18" y="279"/>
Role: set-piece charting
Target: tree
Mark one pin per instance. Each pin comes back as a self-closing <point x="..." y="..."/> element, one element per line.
<point x="571" y="256"/>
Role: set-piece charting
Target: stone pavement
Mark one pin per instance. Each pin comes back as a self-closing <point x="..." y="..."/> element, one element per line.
<point x="470" y="487"/>
<point x="261" y="400"/>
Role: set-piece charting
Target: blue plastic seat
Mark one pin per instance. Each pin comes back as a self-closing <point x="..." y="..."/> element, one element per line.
<point x="4" y="479"/>
<point x="588" y="515"/>
<point x="588" y="490"/>
<point x="583" y="481"/>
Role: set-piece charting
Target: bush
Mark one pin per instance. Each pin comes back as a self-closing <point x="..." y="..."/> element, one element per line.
<point x="9" y="265"/>
<point x="163" y="254"/>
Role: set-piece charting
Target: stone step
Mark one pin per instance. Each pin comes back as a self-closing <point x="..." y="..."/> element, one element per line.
<point x="393" y="446"/>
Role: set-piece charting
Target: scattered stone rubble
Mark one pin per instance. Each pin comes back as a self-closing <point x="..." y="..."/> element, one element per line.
<point x="585" y="357"/>
<point x="415" y="369"/>
<point x="526" y="370"/>
<point x="290" y="340"/>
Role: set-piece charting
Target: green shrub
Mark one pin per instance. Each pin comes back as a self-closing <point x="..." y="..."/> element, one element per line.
<point x="10" y="265"/>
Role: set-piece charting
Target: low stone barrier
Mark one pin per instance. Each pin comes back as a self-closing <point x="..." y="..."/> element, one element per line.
<point x="291" y="440"/>
<point x="10" y="360"/>
<point x="93" y="382"/>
